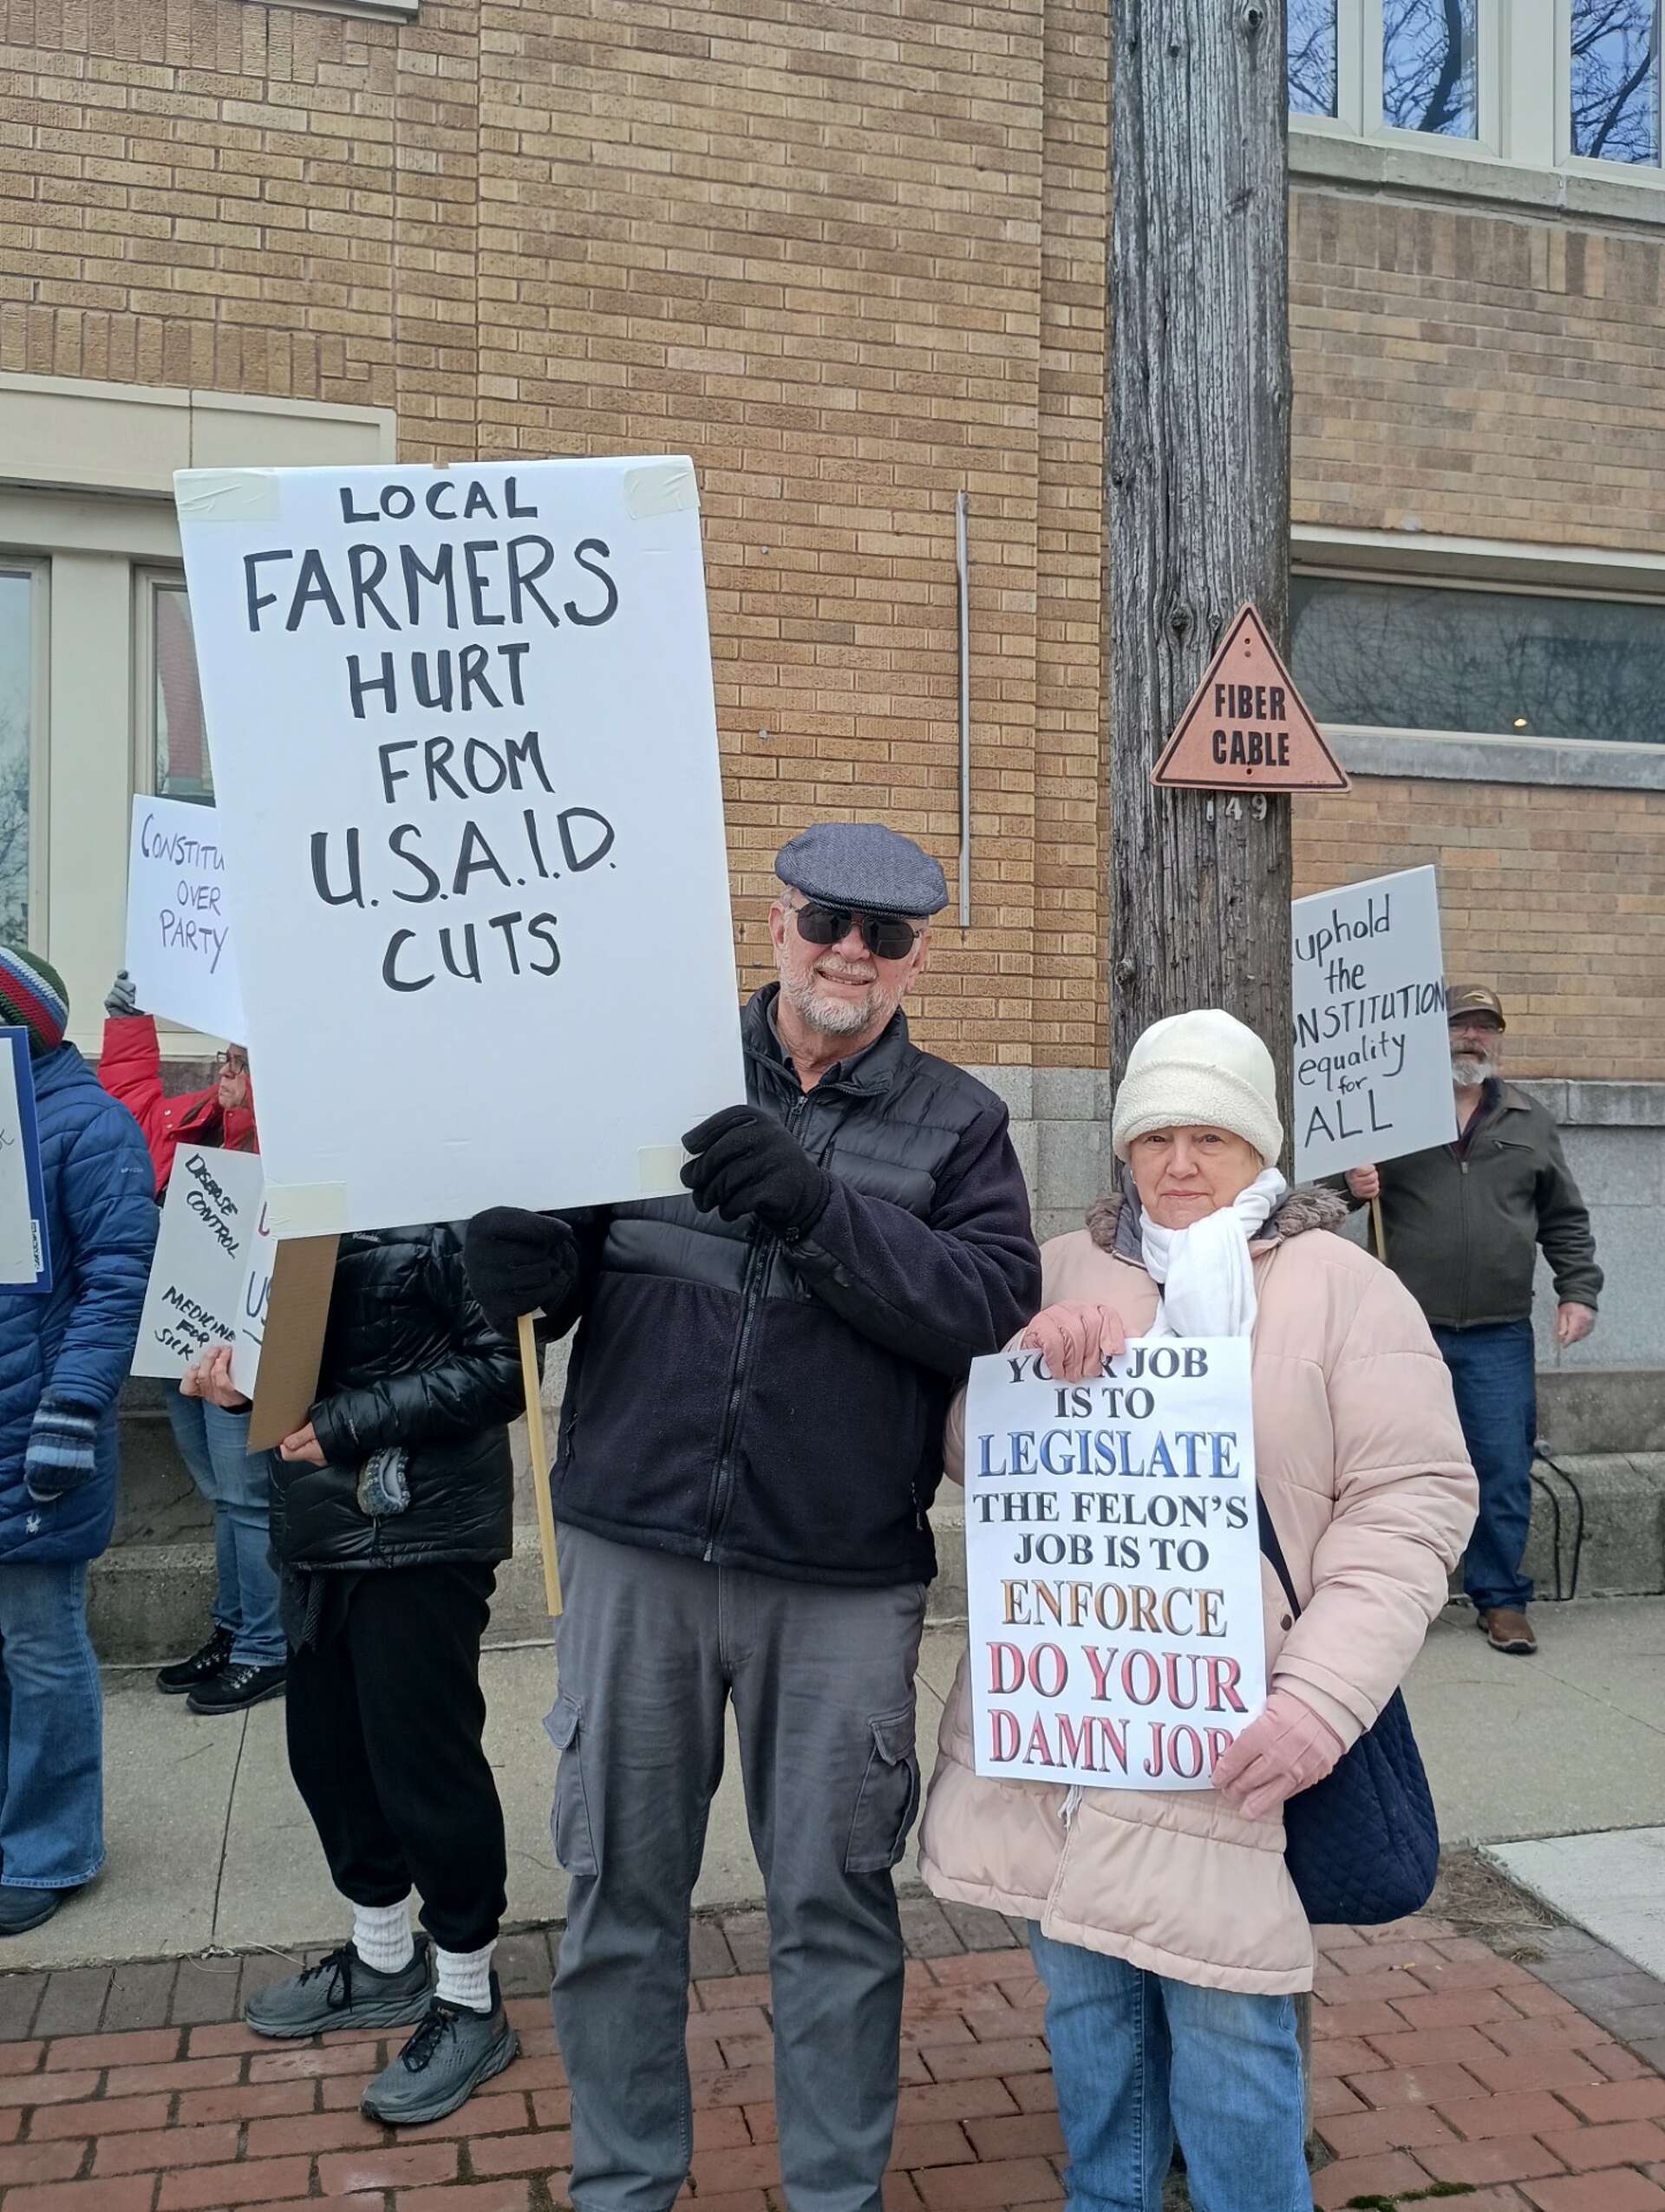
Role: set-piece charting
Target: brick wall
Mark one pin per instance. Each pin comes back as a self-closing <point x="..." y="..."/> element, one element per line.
<point x="852" y="260"/>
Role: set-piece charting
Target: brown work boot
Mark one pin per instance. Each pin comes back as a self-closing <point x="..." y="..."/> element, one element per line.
<point x="1508" y="1629"/>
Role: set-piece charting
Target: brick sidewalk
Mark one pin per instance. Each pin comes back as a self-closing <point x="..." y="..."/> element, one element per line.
<point x="1439" y="2059"/>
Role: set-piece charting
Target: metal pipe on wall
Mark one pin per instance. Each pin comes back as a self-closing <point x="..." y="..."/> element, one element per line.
<point x="964" y="568"/>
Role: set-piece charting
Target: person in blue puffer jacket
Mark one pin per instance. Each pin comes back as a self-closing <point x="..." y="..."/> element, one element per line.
<point x="63" y="1358"/>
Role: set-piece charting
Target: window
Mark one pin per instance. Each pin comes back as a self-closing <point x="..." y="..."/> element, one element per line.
<point x="1539" y="83"/>
<point x="178" y="766"/>
<point x="1614" y="81"/>
<point x="1430" y="67"/>
<point x="1373" y="653"/>
<point x="22" y="607"/>
<point x="1314" y="37"/>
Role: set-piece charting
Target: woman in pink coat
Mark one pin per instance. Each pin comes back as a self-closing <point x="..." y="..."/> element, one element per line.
<point x="1165" y="1925"/>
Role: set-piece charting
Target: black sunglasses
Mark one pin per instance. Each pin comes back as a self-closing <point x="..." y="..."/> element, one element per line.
<point x="885" y="936"/>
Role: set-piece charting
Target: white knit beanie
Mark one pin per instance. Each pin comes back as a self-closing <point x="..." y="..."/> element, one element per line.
<point x="1199" y="1070"/>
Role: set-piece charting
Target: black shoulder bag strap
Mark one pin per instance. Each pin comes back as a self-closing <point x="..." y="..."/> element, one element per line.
<point x="1273" y="1551"/>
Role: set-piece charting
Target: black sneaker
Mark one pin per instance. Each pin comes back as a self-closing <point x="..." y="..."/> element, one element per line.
<point x="341" y="1991"/>
<point x="22" y="1909"/>
<point x="234" y="1689"/>
<point x="443" y="2064"/>
<point x="202" y="1665"/>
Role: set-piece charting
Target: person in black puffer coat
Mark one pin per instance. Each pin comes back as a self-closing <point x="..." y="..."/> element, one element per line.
<point x="391" y="1510"/>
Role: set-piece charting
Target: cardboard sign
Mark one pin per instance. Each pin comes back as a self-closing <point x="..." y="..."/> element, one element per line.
<point x="278" y="1335"/>
<point x="180" y="952"/>
<point x="203" y="1252"/>
<point x="1246" y="727"/>
<point x="1372" y="1050"/>
<point x="1113" y="1566"/>
<point x="25" y="1247"/>
<point x="464" y="753"/>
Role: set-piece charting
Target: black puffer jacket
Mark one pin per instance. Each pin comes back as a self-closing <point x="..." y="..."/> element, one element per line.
<point x="408" y="1359"/>
<point x="780" y="1407"/>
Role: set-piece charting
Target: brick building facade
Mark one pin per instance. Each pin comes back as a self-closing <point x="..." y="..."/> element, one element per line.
<point x="852" y="260"/>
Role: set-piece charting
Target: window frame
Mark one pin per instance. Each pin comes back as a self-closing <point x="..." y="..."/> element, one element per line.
<point x="37" y="567"/>
<point x="1480" y="564"/>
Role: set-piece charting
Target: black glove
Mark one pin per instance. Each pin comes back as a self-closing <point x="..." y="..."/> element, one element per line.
<point x="747" y="1163"/>
<point x="517" y="1261"/>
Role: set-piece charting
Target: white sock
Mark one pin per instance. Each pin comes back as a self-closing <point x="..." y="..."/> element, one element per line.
<point x="464" y="1977"/>
<point x="381" y="1936"/>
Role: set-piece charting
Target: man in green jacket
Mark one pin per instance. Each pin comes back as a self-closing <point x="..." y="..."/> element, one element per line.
<point x="1462" y="1225"/>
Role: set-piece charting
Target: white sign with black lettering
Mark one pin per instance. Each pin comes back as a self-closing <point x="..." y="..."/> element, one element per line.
<point x="180" y="950"/>
<point x="1372" y="1050"/>
<point x="202" y="1251"/>
<point x="1113" y="1566"/>
<point x="465" y="755"/>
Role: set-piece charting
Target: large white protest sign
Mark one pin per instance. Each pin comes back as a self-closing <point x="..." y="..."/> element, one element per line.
<point x="1113" y="1566"/>
<point x="25" y="1254"/>
<point x="1372" y="1051"/>
<point x="204" y="1247"/>
<point x="465" y="763"/>
<point x="180" y="952"/>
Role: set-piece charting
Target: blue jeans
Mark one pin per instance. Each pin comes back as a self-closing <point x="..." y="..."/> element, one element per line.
<point x="1494" y="1376"/>
<point x="1138" y="2058"/>
<point x="51" y="1729"/>
<point x="214" y="1445"/>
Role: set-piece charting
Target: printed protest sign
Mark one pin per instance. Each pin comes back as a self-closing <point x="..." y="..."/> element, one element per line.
<point x="1113" y="1566"/>
<point x="1372" y="1051"/>
<point x="465" y="763"/>
<point x="202" y="1250"/>
<point x="25" y="1250"/>
<point x="180" y="952"/>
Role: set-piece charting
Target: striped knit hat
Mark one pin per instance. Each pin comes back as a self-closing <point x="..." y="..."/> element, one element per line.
<point x="32" y="994"/>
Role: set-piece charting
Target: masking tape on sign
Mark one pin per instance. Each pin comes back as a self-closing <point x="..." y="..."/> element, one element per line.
<point x="666" y="487"/>
<point x="227" y="494"/>
<point x="659" y="1171"/>
<point x="307" y="1208"/>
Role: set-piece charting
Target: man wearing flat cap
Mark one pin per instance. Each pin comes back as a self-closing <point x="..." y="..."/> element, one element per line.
<point x="1463" y="1224"/>
<point x="750" y="1442"/>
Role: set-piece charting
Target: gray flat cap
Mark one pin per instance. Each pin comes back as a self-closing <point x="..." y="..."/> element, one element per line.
<point x="864" y="865"/>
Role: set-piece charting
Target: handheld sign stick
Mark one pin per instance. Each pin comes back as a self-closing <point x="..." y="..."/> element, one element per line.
<point x="532" y="1383"/>
<point x="1378" y="1233"/>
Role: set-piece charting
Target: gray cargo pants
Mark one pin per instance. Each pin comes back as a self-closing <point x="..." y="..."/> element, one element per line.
<point x="651" y="1648"/>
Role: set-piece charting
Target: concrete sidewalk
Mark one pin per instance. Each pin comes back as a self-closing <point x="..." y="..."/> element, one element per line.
<point x="210" y="1847"/>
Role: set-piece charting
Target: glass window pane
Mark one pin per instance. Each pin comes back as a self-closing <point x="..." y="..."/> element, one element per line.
<point x="182" y="769"/>
<point x="1616" y="79"/>
<point x="1430" y="74"/>
<point x="1312" y="57"/>
<point x="17" y="734"/>
<point x="1503" y="664"/>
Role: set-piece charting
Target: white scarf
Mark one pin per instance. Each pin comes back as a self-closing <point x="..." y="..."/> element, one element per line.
<point x="1206" y="1273"/>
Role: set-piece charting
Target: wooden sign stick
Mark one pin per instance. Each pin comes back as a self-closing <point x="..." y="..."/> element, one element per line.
<point x="531" y="1382"/>
<point x="1378" y="1235"/>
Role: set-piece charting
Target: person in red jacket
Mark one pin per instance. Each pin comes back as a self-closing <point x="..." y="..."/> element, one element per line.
<point x="245" y="1657"/>
<point x="130" y="1068"/>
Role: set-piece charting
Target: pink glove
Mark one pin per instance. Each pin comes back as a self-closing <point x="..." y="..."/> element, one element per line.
<point x="1285" y="1749"/>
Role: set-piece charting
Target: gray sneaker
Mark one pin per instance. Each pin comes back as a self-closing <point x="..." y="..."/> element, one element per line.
<point x="341" y="1991"/>
<point x="451" y="2054"/>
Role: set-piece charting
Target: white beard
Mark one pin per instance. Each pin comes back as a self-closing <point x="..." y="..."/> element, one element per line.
<point x="832" y="1017"/>
<point x="1470" y="1070"/>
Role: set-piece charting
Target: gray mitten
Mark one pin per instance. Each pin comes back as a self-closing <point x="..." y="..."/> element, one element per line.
<point x="122" y="1003"/>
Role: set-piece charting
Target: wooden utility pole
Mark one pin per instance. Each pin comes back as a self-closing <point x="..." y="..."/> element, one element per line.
<point x="1197" y="497"/>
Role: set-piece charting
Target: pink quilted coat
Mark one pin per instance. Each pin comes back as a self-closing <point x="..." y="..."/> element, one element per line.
<point x="1364" y="1471"/>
